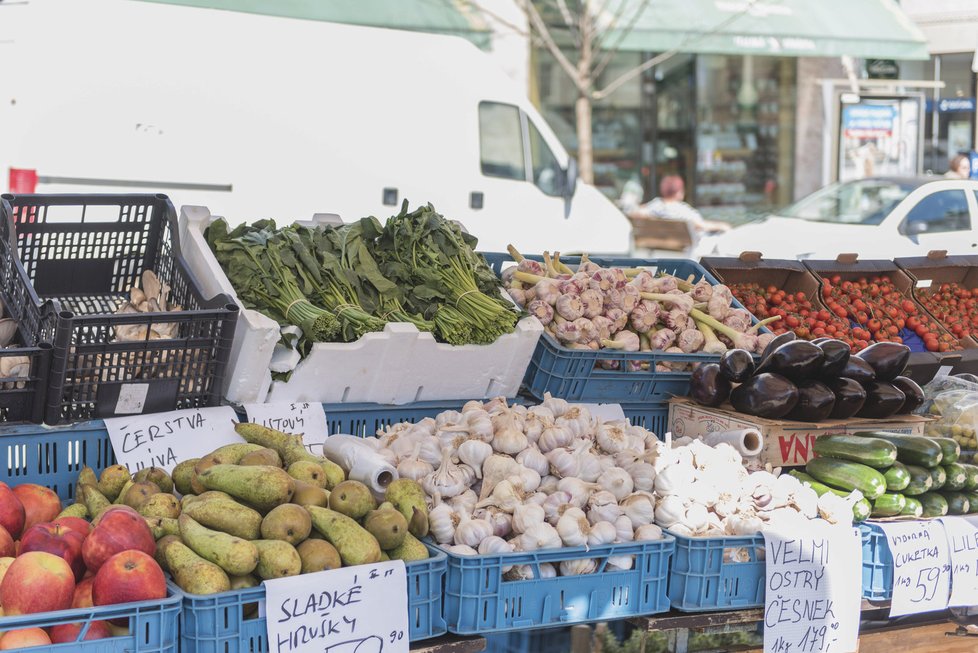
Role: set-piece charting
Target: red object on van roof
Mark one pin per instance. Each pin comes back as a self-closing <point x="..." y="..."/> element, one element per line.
<point x="22" y="180"/>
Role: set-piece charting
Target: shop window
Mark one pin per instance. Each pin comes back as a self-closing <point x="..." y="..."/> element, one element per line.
<point x="943" y="211"/>
<point x="501" y="141"/>
<point x="547" y="173"/>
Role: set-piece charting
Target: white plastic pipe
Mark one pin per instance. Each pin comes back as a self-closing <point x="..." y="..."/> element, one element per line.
<point x="747" y="441"/>
<point x="360" y="462"/>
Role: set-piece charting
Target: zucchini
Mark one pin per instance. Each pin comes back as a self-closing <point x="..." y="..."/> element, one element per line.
<point x="933" y="503"/>
<point x="897" y="477"/>
<point x="956" y="477"/>
<point x="938" y="476"/>
<point x="847" y="475"/>
<point x="913" y="508"/>
<point x="911" y="449"/>
<point x="868" y="451"/>
<point x="972" y="501"/>
<point x="860" y="510"/>
<point x="971" y="472"/>
<point x="889" y="504"/>
<point x="920" y="480"/>
<point x="950" y="449"/>
<point x="957" y="503"/>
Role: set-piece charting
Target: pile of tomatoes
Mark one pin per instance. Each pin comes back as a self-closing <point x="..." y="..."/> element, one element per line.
<point x="882" y="312"/>
<point x="955" y="306"/>
<point x="796" y="311"/>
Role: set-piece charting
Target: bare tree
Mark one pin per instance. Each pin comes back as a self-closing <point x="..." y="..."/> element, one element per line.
<point x="583" y="36"/>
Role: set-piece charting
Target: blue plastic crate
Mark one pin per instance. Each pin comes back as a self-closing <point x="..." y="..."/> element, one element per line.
<point x="229" y="623"/>
<point x="575" y="375"/>
<point x="152" y="626"/>
<point x="877" y="564"/>
<point x="479" y="600"/>
<point x="703" y="577"/>
<point x="53" y="455"/>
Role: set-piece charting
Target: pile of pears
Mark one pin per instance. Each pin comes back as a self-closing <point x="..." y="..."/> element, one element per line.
<point x="258" y="510"/>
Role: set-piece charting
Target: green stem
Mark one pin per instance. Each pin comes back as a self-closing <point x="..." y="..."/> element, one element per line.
<point x="763" y="322"/>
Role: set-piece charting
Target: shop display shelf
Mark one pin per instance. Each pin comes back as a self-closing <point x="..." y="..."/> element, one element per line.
<point x="707" y="575"/>
<point x="84" y="252"/>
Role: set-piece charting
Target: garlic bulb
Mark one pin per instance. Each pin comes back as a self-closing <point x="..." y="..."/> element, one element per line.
<point x="557" y="407"/>
<point x="617" y="481"/>
<point x="448" y="418"/>
<point x="479" y="425"/>
<point x="603" y="506"/>
<point x="639" y="509"/>
<point x="670" y="511"/>
<point x="577" y="420"/>
<point x="473" y="453"/>
<point x="539" y="536"/>
<point x="611" y="437"/>
<point x="533" y="458"/>
<point x="442" y="520"/>
<point x="430" y="450"/>
<point x="601" y="533"/>
<point x="507" y="495"/>
<point x="501" y="521"/>
<point x="463" y="550"/>
<point x="519" y="572"/>
<point x="537" y="499"/>
<point x="548" y="484"/>
<point x="527" y="515"/>
<point x="413" y="468"/>
<point x="494" y="469"/>
<point x="493" y="544"/>
<point x="530" y="479"/>
<point x="573" y="527"/>
<point x="578" y="490"/>
<point x="448" y="481"/>
<point x="647" y="533"/>
<point x="464" y="502"/>
<point x="551" y="507"/>
<point x="563" y="463"/>
<point x="620" y="563"/>
<point x="748" y="524"/>
<point x="578" y="567"/>
<point x="624" y="531"/>
<point x="547" y="570"/>
<point x="673" y="479"/>
<point x="589" y="466"/>
<point x="472" y="531"/>
<point x="472" y="406"/>
<point x="643" y="475"/>
<point x="553" y="437"/>
<point x="696" y="518"/>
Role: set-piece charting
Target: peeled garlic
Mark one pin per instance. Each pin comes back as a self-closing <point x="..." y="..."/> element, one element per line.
<point x="474" y="453"/>
<point x="525" y="516"/>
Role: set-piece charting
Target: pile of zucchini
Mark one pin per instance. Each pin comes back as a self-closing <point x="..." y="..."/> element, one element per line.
<point x="897" y="474"/>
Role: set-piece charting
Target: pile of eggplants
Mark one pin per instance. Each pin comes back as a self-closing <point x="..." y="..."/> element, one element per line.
<point x="811" y="381"/>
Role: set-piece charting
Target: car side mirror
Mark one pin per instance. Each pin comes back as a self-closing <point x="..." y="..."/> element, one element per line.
<point x="916" y="227"/>
<point x="570" y="178"/>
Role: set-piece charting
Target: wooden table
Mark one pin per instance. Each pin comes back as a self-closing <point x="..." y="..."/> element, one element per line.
<point x="450" y="644"/>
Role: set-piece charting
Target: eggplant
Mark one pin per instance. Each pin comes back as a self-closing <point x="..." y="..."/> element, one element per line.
<point x="836" y="356"/>
<point x="708" y="386"/>
<point x="888" y="359"/>
<point x="796" y="360"/>
<point x="858" y="370"/>
<point x="882" y="400"/>
<point x="736" y="365"/>
<point x="765" y="395"/>
<point x="915" y="394"/>
<point x="818" y="341"/>
<point x="849" y="397"/>
<point x="815" y="402"/>
<point x="777" y="341"/>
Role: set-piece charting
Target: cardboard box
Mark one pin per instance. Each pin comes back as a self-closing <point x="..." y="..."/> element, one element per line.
<point x="786" y="443"/>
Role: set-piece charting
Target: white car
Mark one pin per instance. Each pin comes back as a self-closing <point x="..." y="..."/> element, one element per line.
<point x="883" y="217"/>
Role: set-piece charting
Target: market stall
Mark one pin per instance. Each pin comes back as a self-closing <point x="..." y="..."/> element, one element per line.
<point x="288" y="437"/>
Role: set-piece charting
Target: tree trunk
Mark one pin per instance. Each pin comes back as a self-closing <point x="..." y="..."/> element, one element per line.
<point x="585" y="152"/>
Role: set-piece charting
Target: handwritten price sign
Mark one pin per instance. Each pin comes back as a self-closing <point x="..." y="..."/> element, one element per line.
<point x="305" y="419"/>
<point x="921" y="566"/>
<point x="812" y="592"/>
<point x="962" y="538"/>
<point x="359" y="609"/>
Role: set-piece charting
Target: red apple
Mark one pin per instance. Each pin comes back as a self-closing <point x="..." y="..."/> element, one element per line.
<point x="23" y="638"/>
<point x="128" y="577"/>
<point x="4" y="565"/>
<point x="117" y="531"/>
<point x="83" y="593"/>
<point x="8" y="548"/>
<point x="59" y="540"/>
<point x="11" y="511"/>
<point x="76" y="524"/>
<point x="63" y="633"/>
<point x="111" y="509"/>
<point x="40" y="503"/>
<point x="37" y="582"/>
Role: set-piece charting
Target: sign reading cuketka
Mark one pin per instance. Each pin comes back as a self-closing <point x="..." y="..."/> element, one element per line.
<point x="166" y="439"/>
<point x="812" y="596"/>
<point x="362" y="609"/>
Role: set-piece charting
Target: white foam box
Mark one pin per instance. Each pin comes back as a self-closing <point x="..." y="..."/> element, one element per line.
<point x="786" y="443"/>
<point x="398" y="365"/>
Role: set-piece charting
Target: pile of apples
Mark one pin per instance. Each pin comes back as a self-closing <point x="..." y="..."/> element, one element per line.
<point x="881" y="312"/>
<point x="50" y="563"/>
<point x="796" y="310"/>
<point x="955" y="306"/>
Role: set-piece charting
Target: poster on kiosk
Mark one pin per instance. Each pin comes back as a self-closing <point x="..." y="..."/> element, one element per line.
<point x="879" y="136"/>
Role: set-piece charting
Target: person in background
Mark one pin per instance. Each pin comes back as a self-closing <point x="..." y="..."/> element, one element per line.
<point x="959" y="168"/>
<point x="670" y="205"/>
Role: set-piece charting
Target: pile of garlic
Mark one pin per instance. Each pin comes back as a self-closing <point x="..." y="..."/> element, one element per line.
<point x="503" y="479"/>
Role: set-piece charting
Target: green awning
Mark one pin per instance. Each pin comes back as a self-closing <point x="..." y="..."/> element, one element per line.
<point x="807" y="28"/>
<point x="438" y="16"/>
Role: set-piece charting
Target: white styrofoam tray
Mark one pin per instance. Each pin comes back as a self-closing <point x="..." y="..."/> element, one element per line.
<point x="398" y="365"/>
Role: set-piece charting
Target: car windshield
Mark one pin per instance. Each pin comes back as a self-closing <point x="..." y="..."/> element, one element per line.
<point x="864" y="201"/>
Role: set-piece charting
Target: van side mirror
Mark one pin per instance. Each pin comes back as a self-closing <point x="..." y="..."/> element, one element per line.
<point x="916" y="227"/>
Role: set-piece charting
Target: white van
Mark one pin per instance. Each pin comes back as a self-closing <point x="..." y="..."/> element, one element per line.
<point x="257" y="116"/>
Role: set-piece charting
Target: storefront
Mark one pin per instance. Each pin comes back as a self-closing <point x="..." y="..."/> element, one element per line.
<point x="721" y="113"/>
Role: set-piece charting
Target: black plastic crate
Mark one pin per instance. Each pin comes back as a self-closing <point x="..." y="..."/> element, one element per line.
<point x="84" y="252"/>
<point x="22" y="397"/>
